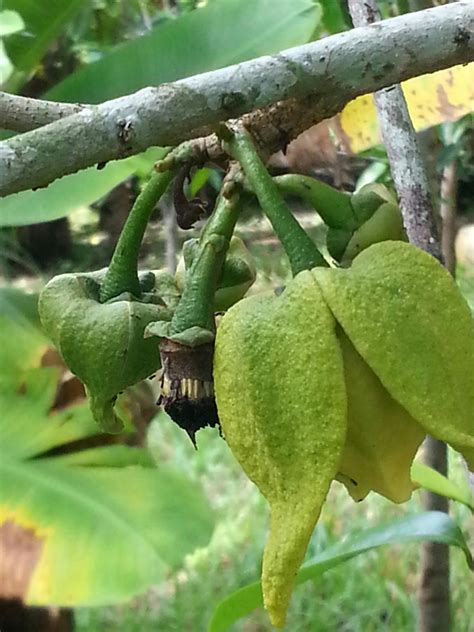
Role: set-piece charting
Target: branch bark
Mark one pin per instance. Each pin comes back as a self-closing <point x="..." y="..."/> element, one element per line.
<point x="317" y="79"/>
<point x="22" y="114"/>
<point x="434" y="597"/>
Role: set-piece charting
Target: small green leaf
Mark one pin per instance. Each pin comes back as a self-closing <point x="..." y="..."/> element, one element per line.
<point x="428" y="478"/>
<point x="448" y="154"/>
<point x="433" y="526"/>
<point x="107" y="456"/>
<point x="10" y="22"/>
<point x="198" y="180"/>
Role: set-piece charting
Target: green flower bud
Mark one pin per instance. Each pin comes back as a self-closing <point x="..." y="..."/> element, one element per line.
<point x="341" y="376"/>
<point x="377" y="217"/>
<point x="238" y="273"/>
<point x="103" y="343"/>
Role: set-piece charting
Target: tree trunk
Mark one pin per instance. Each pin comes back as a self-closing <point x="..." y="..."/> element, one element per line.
<point x="449" y="186"/>
<point x="434" y="601"/>
<point x="433" y="590"/>
<point x="16" y="617"/>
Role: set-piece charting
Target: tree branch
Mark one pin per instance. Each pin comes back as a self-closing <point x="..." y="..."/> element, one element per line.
<point x="22" y="114"/>
<point x="323" y="76"/>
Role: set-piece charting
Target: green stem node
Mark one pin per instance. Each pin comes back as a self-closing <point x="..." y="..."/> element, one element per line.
<point x="196" y="307"/>
<point x="122" y="274"/>
<point x="299" y="247"/>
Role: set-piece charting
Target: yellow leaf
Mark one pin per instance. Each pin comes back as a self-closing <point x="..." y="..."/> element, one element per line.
<point x="446" y="95"/>
<point x="382" y="437"/>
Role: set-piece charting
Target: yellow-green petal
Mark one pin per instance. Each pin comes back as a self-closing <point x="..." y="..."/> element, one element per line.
<point x="281" y="399"/>
<point x="382" y="438"/>
<point x="406" y="317"/>
<point x="384" y="225"/>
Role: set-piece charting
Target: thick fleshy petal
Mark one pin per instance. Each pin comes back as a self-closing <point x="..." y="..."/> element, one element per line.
<point x="405" y="316"/>
<point x="281" y="399"/>
<point x="102" y="343"/>
<point x="382" y="437"/>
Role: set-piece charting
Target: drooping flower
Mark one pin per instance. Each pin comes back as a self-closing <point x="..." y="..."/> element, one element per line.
<point x="341" y="377"/>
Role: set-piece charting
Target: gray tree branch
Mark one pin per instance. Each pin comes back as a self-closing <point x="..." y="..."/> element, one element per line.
<point x="323" y="76"/>
<point x="22" y="114"/>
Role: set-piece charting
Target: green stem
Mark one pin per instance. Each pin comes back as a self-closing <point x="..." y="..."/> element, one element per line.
<point x="333" y="206"/>
<point x="299" y="247"/>
<point x="196" y="307"/>
<point x="122" y="274"/>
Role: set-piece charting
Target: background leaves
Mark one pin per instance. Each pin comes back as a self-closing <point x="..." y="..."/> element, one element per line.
<point x="92" y="526"/>
<point x="43" y="23"/>
<point x="218" y="35"/>
<point x="433" y="525"/>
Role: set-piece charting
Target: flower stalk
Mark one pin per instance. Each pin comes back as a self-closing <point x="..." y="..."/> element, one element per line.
<point x="122" y="274"/>
<point x="299" y="247"/>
